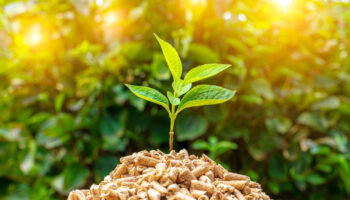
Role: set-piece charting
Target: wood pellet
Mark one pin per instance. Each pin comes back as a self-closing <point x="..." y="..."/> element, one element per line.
<point x="176" y="176"/>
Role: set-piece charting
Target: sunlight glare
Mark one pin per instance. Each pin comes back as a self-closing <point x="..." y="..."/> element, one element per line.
<point x="99" y="2"/>
<point x="110" y="18"/>
<point x="194" y="2"/>
<point x="34" y="37"/>
<point x="284" y="3"/>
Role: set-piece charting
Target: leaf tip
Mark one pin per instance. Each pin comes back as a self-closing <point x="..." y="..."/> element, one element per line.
<point x="233" y="92"/>
<point x="156" y="36"/>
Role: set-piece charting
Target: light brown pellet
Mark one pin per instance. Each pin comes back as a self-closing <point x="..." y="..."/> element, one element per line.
<point x="236" y="184"/>
<point x="153" y="194"/>
<point x="233" y="176"/>
<point x="239" y="195"/>
<point x="200" y="170"/>
<point x="147" y="161"/>
<point x="202" y="186"/>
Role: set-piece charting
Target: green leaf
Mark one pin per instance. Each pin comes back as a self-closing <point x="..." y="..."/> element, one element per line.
<point x="202" y="54"/>
<point x="59" y="102"/>
<point x="173" y="100"/>
<point x="205" y="95"/>
<point x="75" y="176"/>
<point x="278" y="124"/>
<point x="172" y="58"/>
<point x="184" y="89"/>
<point x="149" y="94"/>
<point x="190" y="126"/>
<point x="159" y="67"/>
<point x="313" y="120"/>
<point x="204" y="71"/>
<point x="200" y="145"/>
<point x="263" y="88"/>
<point x="181" y="88"/>
<point x="103" y="165"/>
<point x="315" y="179"/>
<point x="223" y="147"/>
<point x="327" y="103"/>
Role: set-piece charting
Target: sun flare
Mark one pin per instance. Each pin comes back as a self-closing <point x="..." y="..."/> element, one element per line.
<point x="284" y="3"/>
<point x="110" y="18"/>
<point x="34" y="37"/>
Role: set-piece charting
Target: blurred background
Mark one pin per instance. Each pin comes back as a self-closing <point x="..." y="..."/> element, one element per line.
<point x="66" y="118"/>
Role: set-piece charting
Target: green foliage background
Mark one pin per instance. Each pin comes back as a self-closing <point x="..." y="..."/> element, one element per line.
<point x="66" y="118"/>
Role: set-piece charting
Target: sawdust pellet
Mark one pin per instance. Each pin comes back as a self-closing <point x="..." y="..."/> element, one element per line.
<point x="176" y="176"/>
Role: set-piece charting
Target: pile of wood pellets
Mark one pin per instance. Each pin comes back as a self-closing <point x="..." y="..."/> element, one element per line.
<point x="155" y="175"/>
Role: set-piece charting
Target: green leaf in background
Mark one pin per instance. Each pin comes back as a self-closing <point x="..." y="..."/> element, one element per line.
<point x="53" y="132"/>
<point x="13" y="134"/>
<point x="112" y="129"/>
<point x="172" y="58"/>
<point x="203" y="72"/>
<point x="202" y="54"/>
<point x="222" y="147"/>
<point x="190" y="126"/>
<point x="315" y="179"/>
<point x="159" y="67"/>
<point x="28" y="161"/>
<point x="205" y="95"/>
<point x="214" y="146"/>
<point x="109" y="124"/>
<point x="75" y="176"/>
<point x="59" y="102"/>
<point x="278" y="124"/>
<point x="263" y="88"/>
<point x="200" y="145"/>
<point x="150" y="94"/>
<point x="327" y="103"/>
<point x="313" y="120"/>
<point x="104" y="165"/>
<point x="173" y="100"/>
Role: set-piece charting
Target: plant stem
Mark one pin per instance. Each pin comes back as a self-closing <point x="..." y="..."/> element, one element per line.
<point x="171" y="133"/>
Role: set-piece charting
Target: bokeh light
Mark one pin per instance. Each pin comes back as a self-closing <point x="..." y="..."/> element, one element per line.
<point x="241" y="17"/>
<point x="227" y="15"/>
<point x="99" y="2"/>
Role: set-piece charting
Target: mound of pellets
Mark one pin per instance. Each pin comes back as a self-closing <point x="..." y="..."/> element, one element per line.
<point x="176" y="176"/>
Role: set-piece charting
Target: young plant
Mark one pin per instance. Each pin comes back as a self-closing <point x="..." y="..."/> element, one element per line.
<point x="197" y="96"/>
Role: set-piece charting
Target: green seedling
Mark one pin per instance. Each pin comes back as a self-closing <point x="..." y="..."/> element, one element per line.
<point x="197" y="96"/>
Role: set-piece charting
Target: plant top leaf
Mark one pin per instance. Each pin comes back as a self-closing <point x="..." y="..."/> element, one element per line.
<point x="181" y="88"/>
<point x="205" y="95"/>
<point x="172" y="59"/>
<point x="184" y="89"/>
<point x="173" y="100"/>
<point x="150" y="94"/>
<point x="204" y="71"/>
<point x="178" y="86"/>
